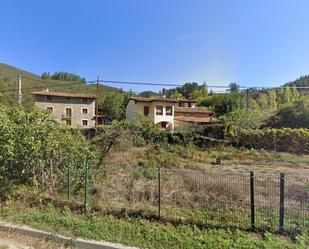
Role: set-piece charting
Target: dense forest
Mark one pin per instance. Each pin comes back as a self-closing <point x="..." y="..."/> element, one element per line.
<point x="65" y="76"/>
<point x="303" y="81"/>
<point x="234" y="98"/>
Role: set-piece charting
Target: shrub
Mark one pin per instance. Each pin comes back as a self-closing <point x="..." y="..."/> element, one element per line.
<point x="35" y="148"/>
<point x="285" y="139"/>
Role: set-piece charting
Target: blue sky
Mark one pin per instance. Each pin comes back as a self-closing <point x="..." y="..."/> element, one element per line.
<point x="262" y="42"/>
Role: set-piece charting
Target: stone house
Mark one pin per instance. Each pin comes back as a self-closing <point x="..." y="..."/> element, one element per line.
<point x="75" y="110"/>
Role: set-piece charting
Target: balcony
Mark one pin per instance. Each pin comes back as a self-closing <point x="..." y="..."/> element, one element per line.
<point x="66" y="117"/>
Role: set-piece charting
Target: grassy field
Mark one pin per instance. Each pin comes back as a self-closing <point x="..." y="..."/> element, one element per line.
<point x="192" y="157"/>
<point x="199" y="209"/>
<point x="140" y="232"/>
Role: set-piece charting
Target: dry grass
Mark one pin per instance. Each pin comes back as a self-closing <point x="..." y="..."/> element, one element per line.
<point x="243" y="160"/>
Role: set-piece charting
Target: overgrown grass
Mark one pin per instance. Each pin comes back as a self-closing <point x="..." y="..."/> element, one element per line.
<point x="193" y="157"/>
<point x="293" y="159"/>
<point x="143" y="233"/>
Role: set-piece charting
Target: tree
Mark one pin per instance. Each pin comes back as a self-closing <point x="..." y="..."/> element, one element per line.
<point x="65" y="76"/>
<point x="262" y="100"/>
<point x="36" y="149"/>
<point x="240" y="119"/>
<point x="176" y="95"/>
<point x="205" y="89"/>
<point x="148" y="94"/>
<point x="45" y="75"/>
<point x="294" y="116"/>
<point x="197" y="94"/>
<point x="113" y="105"/>
<point x="294" y="93"/>
<point x="287" y="95"/>
<point x="108" y="136"/>
<point x="223" y="103"/>
<point x="272" y="99"/>
<point x="234" y="87"/>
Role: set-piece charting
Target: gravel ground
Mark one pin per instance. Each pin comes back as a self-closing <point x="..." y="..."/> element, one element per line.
<point x="16" y="241"/>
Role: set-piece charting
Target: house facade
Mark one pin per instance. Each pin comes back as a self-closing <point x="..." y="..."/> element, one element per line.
<point x="75" y="110"/>
<point x="160" y="110"/>
<point x="168" y="113"/>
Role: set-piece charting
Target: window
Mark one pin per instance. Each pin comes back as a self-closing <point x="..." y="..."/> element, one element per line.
<point x="85" y="122"/>
<point x="85" y="110"/>
<point x="68" y="122"/>
<point x="146" y="110"/>
<point x="189" y="104"/>
<point x="49" y="98"/>
<point x="169" y="110"/>
<point x="68" y="99"/>
<point x="50" y="109"/>
<point x="159" y="110"/>
<point x="85" y="100"/>
<point x="68" y="112"/>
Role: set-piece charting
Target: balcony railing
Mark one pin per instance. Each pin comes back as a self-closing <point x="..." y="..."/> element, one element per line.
<point x="66" y="117"/>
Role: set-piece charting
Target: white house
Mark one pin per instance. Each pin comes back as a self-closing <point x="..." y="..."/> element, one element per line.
<point x="167" y="113"/>
<point x="159" y="109"/>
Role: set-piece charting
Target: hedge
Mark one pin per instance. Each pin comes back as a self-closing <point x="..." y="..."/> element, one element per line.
<point x="284" y="139"/>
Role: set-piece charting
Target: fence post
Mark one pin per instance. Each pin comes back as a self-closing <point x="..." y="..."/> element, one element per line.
<point x="281" y="210"/>
<point x="86" y="187"/>
<point x="252" y="204"/>
<point x="69" y="180"/>
<point x="159" y="192"/>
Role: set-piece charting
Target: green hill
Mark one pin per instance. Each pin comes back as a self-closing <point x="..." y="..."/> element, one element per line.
<point x="303" y="81"/>
<point x="32" y="82"/>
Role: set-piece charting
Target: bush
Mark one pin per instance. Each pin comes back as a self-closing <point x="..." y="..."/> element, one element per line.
<point x="294" y="116"/>
<point x="158" y="156"/>
<point x="36" y="149"/>
<point x="285" y="139"/>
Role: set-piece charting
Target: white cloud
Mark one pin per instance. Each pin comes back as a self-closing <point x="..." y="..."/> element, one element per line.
<point x="184" y="38"/>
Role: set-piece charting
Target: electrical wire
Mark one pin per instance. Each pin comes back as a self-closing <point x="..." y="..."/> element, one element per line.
<point x="91" y="83"/>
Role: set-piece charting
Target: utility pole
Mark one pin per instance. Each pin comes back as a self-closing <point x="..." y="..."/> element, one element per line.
<point x="247" y="100"/>
<point x="20" y="95"/>
<point x="97" y="104"/>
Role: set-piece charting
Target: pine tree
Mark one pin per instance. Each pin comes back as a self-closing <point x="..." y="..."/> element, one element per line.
<point x="205" y="89"/>
<point x="287" y="94"/>
<point x="272" y="99"/>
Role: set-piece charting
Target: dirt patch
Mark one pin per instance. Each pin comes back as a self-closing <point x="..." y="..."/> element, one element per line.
<point x="10" y="240"/>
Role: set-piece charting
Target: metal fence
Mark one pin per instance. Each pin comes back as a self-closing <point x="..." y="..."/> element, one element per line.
<point x="204" y="198"/>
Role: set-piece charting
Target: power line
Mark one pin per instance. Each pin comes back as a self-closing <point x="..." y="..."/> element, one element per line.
<point x="147" y="83"/>
<point x="180" y="85"/>
<point x="91" y="83"/>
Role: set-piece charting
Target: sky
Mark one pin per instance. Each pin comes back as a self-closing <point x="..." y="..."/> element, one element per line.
<point x="254" y="43"/>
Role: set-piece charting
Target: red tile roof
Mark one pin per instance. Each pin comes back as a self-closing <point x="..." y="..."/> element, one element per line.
<point x="162" y="99"/>
<point x="63" y="94"/>
<point x="195" y="119"/>
<point x="192" y="110"/>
